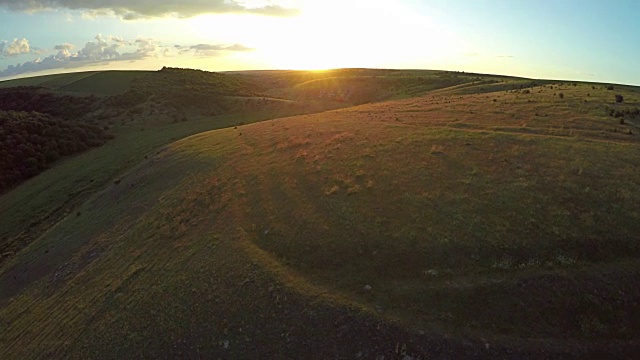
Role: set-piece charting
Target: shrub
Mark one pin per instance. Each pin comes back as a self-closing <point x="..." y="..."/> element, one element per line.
<point x="610" y="87"/>
<point x="561" y="95"/>
<point x="619" y="98"/>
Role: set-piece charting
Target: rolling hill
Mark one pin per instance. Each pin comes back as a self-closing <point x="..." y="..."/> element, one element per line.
<point x="468" y="216"/>
<point x="153" y="109"/>
<point x="102" y="83"/>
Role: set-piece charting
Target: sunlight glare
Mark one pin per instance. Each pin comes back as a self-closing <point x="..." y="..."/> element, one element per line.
<point x="334" y="34"/>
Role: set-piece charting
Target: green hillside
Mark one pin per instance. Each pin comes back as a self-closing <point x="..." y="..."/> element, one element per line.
<point x="104" y="82"/>
<point x="463" y="223"/>
<point x="101" y="83"/>
<point x="51" y="81"/>
<point x="359" y="86"/>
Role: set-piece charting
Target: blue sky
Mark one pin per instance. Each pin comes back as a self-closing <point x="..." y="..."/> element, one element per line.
<point x="562" y="39"/>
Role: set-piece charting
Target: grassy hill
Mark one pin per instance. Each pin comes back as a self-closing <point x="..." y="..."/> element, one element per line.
<point x="490" y="219"/>
<point x="51" y="81"/>
<point x="102" y="83"/>
<point x="151" y="110"/>
<point x="359" y="86"/>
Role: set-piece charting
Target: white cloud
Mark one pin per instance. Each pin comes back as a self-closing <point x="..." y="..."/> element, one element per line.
<point x="16" y="47"/>
<point x="210" y="50"/>
<point x="103" y="49"/>
<point x="65" y="46"/>
<point x="38" y="51"/>
<point x="131" y="10"/>
<point x="107" y="49"/>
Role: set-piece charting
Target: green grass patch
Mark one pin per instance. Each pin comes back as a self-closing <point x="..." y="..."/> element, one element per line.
<point x="104" y="82"/>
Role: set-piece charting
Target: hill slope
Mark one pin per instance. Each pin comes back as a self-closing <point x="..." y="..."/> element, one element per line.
<point x="446" y="226"/>
<point x="150" y="109"/>
<point x="91" y="82"/>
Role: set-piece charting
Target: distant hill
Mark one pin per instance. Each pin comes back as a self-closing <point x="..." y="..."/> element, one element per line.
<point x="170" y="95"/>
<point x="101" y="83"/>
<point x="50" y="81"/>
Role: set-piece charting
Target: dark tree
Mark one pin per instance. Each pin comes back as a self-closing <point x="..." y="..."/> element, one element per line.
<point x="30" y="98"/>
<point x="31" y="141"/>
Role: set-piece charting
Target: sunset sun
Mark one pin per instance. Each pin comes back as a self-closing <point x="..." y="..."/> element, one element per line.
<point x="361" y="34"/>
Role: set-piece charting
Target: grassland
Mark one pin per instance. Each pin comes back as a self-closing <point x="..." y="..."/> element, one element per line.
<point x="52" y="81"/>
<point x="93" y="82"/>
<point x="142" y="109"/>
<point x="464" y="223"/>
<point x="33" y="208"/>
<point x="104" y="83"/>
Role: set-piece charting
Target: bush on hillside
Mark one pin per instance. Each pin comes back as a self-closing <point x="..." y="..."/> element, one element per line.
<point x="619" y="98"/>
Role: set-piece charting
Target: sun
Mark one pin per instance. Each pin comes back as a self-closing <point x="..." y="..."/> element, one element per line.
<point x="324" y="38"/>
<point x="338" y="34"/>
<point x="372" y="33"/>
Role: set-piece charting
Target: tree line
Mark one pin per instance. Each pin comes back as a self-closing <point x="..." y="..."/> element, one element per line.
<point x="38" y="99"/>
<point x="31" y="141"/>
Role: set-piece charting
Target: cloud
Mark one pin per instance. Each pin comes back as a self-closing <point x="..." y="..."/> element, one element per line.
<point x="209" y="50"/>
<point x="19" y="47"/>
<point x="38" y="51"/>
<point x="16" y="47"/>
<point x="65" y="46"/>
<point x="108" y="49"/>
<point x="132" y="10"/>
<point x="104" y="49"/>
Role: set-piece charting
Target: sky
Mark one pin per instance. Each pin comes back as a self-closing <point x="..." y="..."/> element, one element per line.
<point x="582" y="40"/>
